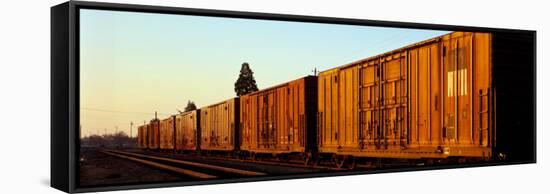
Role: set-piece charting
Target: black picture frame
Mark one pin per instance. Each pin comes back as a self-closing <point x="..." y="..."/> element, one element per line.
<point x="65" y="88"/>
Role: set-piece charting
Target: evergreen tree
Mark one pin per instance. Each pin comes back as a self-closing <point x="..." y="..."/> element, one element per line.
<point x="190" y="106"/>
<point x="245" y="83"/>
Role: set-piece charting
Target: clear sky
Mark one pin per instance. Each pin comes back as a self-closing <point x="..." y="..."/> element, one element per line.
<point x="133" y="64"/>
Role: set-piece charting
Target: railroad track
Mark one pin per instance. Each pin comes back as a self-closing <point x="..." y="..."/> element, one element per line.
<point x="183" y="167"/>
<point x="264" y="161"/>
<point x="273" y="162"/>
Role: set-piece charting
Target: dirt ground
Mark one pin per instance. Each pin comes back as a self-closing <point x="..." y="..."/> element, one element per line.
<point x="99" y="169"/>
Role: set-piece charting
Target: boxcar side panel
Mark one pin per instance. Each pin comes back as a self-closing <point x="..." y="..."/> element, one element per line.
<point x="153" y="134"/>
<point x="139" y="143"/>
<point x="218" y="126"/>
<point x="147" y="128"/>
<point x="347" y="81"/>
<point x="329" y="108"/>
<point x="248" y="122"/>
<point x="369" y="101"/>
<point x="467" y="104"/>
<point x="392" y="105"/>
<point x="167" y="127"/>
<point x="481" y="93"/>
<point x="430" y="99"/>
<point x="186" y="131"/>
<point x="142" y="137"/>
<point x="275" y="120"/>
<point x="435" y="90"/>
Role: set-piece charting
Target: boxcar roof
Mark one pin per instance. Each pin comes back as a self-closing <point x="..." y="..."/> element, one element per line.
<point x="278" y="85"/>
<point x="417" y="44"/>
<point x="187" y="112"/>
<point x="218" y="103"/>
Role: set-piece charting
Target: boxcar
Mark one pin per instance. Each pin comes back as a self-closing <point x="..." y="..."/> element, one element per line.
<point x="187" y="127"/>
<point x="218" y="125"/>
<point x="278" y="120"/>
<point x="142" y="137"/>
<point x="153" y="133"/>
<point x="139" y="136"/>
<point x="427" y="100"/>
<point x="167" y="130"/>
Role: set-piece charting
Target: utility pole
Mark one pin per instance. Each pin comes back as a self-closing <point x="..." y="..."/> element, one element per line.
<point x="315" y="71"/>
<point x="131" y="124"/>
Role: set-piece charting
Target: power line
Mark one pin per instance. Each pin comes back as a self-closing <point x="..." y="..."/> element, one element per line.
<point x="117" y="111"/>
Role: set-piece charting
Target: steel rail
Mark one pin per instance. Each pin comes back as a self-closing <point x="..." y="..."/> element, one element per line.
<point x="195" y="164"/>
<point x="163" y="166"/>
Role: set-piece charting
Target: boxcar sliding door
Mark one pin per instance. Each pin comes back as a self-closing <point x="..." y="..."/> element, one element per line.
<point x="393" y="104"/>
<point x="368" y="104"/>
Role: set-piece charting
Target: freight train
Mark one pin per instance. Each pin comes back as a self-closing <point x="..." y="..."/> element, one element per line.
<point x="433" y="100"/>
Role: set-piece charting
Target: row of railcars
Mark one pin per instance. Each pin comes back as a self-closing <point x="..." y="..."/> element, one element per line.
<point x="433" y="99"/>
<point x="211" y="128"/>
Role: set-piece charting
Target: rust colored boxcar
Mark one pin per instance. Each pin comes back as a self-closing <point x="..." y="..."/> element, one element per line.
<point x="279" y="120"/>
<point x="167" y="130"/>
<point x="187" y="127"/>
<point x="153" y="133"/>
<point x="139" y="136"/>
<point x="218" y="124"/>
<point x="427" y="100"/>
<point x="142" y="137"/>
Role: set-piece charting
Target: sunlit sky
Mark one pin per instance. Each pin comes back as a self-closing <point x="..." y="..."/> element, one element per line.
<point x="133" y="64"/>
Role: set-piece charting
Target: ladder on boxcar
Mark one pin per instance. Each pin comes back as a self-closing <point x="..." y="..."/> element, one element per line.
<point x="484" y="111"/>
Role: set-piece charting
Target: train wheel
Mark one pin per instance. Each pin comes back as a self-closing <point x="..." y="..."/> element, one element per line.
<point x="307" y="158"/>
<point x="315" y="160"/>
<point x="352" y="163"/>
<point x="429" y="161"/>
<point x="339" y="161"/>
<point x="253" y="156"/>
